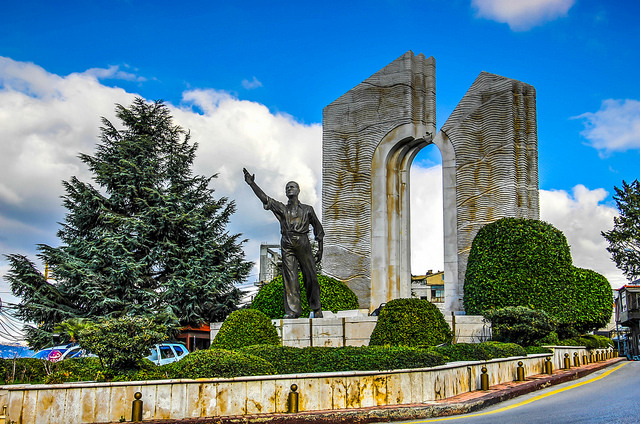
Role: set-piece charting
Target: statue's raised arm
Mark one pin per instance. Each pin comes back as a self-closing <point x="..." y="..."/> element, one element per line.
<point x="251" y="180"/>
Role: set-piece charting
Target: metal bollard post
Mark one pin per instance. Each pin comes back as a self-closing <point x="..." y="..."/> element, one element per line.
<point x="567" y="362"/>
<point x="293" y="399"/>
<point x="520" y="372"/>
<point x="591" y="358"/>
<point x="585" y="359"/>
<point x="484" y="379"/>
<point x="136" y="408"/>
<point x="576" y="359"/>
<point x="548" y="366"/>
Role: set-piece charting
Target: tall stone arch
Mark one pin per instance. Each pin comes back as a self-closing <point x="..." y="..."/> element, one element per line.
<point x="370" y="138"/>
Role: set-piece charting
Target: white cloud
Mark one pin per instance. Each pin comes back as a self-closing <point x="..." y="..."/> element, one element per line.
<point x="250" y="85"/>
<point x="581" y="216"/>
<point x="427" y="233"/>
<point x="113" y="72"/>
<point x="46" y="120"/>
<point x="522" y="15"/>
<point x="615" y="127"/>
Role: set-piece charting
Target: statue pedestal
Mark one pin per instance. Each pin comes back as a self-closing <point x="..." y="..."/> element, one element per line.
<point x="346" y="328"/>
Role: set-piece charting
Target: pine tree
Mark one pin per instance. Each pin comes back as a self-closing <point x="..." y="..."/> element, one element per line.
<point x="624" y="238"/>
<point x="149" y="238"/>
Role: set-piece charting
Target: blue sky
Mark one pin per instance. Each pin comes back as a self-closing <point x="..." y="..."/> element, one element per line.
<point x="250" y="79"/>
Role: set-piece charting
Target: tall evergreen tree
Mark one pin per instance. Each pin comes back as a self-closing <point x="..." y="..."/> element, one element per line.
<point x="624" y="238"/>
<point x="148" y="238"/>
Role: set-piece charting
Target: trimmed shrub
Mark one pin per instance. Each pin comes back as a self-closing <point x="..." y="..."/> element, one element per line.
<point x="520" y="325"/>
<point x="121" y="343"/>
<point x="292" y="360"/>
<point x="537" y="349"/>
<point x="217" y="363"/>
<point x="410" y="322"/>
<point x="245" y="327"/>
<point x="334" y="295"/>
<point x="590" y="341"/>
<point x="524" y="262"/>
<point x="480" y="351"/>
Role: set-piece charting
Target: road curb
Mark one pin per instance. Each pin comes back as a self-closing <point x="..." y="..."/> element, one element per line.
<point x="444" y="408"/>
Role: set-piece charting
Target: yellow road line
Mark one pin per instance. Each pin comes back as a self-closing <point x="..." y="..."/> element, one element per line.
<point x="533" y="399"/>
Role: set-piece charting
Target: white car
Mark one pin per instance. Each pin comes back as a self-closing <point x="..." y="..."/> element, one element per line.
<point x="166" y="353"/>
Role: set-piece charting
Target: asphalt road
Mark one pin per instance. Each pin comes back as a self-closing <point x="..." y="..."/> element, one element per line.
<point x="611" y="395"/>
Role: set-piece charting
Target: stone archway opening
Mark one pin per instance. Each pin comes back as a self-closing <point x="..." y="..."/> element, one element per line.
<point x="427" y="231"/>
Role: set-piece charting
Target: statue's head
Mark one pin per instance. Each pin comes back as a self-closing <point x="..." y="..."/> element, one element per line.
<point x="292" y="189"/>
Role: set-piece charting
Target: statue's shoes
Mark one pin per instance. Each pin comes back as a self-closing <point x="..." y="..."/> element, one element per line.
<point x="316" y="314"/>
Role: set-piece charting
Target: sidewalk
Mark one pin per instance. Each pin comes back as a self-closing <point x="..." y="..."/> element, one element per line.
<point x="461" y="404"/>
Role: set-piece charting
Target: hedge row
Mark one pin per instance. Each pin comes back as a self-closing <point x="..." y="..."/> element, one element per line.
<point x="480" y="351"/>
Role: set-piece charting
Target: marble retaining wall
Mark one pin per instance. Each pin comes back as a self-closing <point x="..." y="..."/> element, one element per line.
<point x="179" y="399"/>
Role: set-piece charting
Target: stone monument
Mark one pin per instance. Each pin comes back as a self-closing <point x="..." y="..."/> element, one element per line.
<point x="371" y="135"/>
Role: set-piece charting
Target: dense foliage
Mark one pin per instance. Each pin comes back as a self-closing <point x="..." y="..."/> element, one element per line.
<point x="624" y="238"/>
<point x="292" y="360"/>
<point x="245" y="327"/>
<point x="334" y="296"/>
<point x="149" y="237"/>
<point x="520" y="325"/>
<point x="590" y="341"/>
<point x="218" y="363"/>
<point x="522" y="262"/>
<point x="410" y="322"/>
<point x="122" y="342"/>
<point x="480" y="351"/>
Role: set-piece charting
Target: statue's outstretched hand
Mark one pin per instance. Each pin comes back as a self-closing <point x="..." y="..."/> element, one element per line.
<point x="248" y="178"/>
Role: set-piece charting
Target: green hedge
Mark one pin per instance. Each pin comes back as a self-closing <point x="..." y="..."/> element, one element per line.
<point x="410" y="322"/>
<point x="334" y="295"/>
<point x="480" y="351"/>
<point x="590" y="341"/>
<point x="292" y="360"/>
<point x="24" y="370"/>
<point x="537" y="349"/>
<point x="245" y="327"/>
<point x="217" y="363"/>
<point x="523" y="262"/>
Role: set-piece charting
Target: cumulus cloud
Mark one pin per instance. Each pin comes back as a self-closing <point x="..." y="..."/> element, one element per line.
<point x="615" y="127"/>
<point x="250" y="85"/>
<point x="46" y="120"/>
<point x="427" y="232"/>
<point x="582" y="216"/>
<point x="522" y="15"/>
<point x="114" y="72"/>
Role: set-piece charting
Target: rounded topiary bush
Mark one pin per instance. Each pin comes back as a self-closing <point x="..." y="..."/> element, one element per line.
<point x="410" y="322"/>
<point x="218" y="363"/>
<point x="334" y="295"/>
<point x="245" y="327"/>
<point x="525" y="262"/>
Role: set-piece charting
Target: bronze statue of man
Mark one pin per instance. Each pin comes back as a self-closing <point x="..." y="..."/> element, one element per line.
<point x="295" y="219"/>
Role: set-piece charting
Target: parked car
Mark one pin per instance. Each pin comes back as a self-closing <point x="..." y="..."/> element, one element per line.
<point x="55" y="353"/>
<point x="161" y="353"/>
<point x="166" y="353"/>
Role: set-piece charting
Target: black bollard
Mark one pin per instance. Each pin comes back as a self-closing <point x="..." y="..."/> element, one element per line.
<point x="484" y="379"/>
<point x="548" y="366"/>
<point x="136" y="408"/>
<point x="520" y="372"/>
<point x="293" y="399"/>
<point x="567" y="362"/>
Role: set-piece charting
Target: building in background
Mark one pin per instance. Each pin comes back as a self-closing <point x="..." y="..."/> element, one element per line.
<point x="429" y="287"/>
